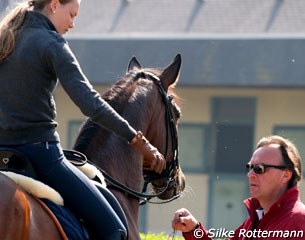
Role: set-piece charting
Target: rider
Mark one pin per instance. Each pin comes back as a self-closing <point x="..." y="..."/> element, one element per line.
<point x="33" y="57"/>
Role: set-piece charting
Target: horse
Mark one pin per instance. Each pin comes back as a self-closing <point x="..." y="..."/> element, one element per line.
<point x="145" y="97"/>
<point x="23" y="217"/>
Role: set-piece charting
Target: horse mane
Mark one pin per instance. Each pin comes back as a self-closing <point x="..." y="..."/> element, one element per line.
<point x="114" y="96"/>
<point x="117" y="96"/>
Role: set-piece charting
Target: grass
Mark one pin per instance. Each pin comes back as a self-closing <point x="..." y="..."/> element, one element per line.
<point x="159" y="236"/>
<point x="162" y="236"/>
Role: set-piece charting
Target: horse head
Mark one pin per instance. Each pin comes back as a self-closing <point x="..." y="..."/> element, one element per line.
<point x="145" y="98"/>
<point x="162" y="128"/>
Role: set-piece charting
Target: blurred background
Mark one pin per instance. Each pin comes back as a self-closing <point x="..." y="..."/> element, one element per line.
<point x="242" y="78"/>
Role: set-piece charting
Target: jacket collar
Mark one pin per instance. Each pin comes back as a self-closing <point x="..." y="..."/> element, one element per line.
<point x="289" y="197"/>
<point x="35" y="19"/>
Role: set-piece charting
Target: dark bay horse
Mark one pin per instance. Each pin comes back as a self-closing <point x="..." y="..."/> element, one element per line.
<point x="145" y="97"/>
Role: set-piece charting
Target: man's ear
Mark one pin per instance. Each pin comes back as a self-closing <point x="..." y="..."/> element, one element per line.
<point x="287" y="176"/>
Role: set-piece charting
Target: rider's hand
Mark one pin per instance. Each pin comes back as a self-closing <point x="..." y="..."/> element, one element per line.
<point x="184" y="221"/>
<point x="151" y="154"/>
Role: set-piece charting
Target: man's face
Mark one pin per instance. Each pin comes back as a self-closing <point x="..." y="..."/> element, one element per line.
<point x="268" y="186"/>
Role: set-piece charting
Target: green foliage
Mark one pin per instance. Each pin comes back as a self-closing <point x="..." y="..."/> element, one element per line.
<point x="159" y="236"/>
<point x="162" y="236"/>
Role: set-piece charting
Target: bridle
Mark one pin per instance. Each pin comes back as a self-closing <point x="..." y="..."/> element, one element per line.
<point x="171" y="167"/>
<point x="149" y="176"/>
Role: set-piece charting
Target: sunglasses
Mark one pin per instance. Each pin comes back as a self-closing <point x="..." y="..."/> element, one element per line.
<point x="260" y="168"/>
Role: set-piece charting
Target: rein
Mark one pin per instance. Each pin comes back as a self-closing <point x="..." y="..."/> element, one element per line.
<point x="144" y="198"/>
<point x="79" y="159"/>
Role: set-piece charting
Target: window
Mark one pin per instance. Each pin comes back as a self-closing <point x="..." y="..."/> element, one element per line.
<point x="227" y="192"/>
<point x="193" y="147"/>
<point x="232" y="133"/>
<point x="232" y="136"/>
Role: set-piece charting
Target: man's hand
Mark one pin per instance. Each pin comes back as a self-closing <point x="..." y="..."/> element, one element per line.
<point x="184" y="221"/>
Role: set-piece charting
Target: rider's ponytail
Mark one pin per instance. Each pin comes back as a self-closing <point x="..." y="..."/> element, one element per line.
<point x="8" y="29"/>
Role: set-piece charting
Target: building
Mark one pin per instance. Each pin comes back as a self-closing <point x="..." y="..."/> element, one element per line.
<point x="243" y="77"/>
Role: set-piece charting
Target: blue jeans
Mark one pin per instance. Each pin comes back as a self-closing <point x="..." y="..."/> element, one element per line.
<point x="79" y="193"/>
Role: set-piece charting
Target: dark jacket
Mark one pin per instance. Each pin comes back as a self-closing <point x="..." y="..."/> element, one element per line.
<point x="28" y="78"/>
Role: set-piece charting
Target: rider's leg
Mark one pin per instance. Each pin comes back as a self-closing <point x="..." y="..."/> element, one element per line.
<point x="79" y="194"/>
<point x="113" y="202"/>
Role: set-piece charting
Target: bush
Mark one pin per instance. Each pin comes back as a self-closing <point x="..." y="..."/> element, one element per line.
<point x="159" y="236"/>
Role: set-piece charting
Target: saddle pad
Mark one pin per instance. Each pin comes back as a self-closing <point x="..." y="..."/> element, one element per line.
<point x="34" y="187"/>
<point x="70" y="225"/>
<point x="92" y="173"/>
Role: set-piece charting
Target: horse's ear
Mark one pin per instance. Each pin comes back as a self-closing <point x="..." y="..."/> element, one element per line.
<point x="170" y="74"/>
<point x="133" y="65"/>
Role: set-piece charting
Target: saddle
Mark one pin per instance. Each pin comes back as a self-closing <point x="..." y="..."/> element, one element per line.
<point x="12" y="160"/>
<point x="15" y="161"/>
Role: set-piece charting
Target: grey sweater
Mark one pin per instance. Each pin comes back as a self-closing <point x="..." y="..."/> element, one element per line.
<point x="28" y="78"/>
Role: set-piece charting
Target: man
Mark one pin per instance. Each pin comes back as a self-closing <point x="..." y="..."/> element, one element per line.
<point x="275" y="209"/>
